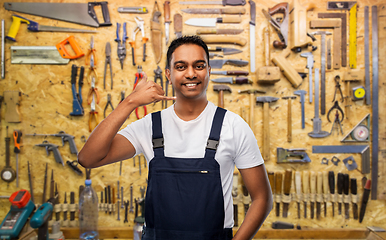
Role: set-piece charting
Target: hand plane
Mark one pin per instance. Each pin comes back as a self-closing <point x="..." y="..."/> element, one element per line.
<point x="281" y="27"/>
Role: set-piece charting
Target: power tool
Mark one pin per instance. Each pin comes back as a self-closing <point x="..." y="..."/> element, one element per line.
<point x="41" y="217"/>
<point x="22" y="207"/>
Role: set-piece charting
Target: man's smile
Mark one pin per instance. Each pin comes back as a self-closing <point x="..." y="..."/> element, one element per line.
<point x="191" y="85"/>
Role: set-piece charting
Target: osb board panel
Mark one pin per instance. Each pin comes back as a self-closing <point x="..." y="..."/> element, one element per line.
<point x="47" y="101"/>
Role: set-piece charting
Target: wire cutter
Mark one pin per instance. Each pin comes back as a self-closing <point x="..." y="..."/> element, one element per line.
<point x="92" y="73"/>
<point x="138" y="77"/>
<point x="121" y="43"/>
<point x="91" y="51"/>
<point x="140" y="27"/>
<point x="108" y="62"/>
<point x="108" y="104"/>
<point x="93" y="91"/>
<point x="337" y="88"/>
<point x="93" y="115"/>
<point x="337" y="107"/>
<point x="158" y="75"/>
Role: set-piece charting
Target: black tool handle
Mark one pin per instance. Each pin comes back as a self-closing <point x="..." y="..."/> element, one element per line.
<point x="132" y="54"/>
<point x="340" y="183"/>
<point x="74" y="71"/>
<point x="241" y="80"/>
<point x="253" y="12"/>
<point x="105" y="12"/>
<point x="81" y="75"/>
<point x="354" y="189"/>
<point x="331" y="181"/>
<point x="346" y="184"/>
<point x="234" y="2"/>
<point x="144" y="52"/>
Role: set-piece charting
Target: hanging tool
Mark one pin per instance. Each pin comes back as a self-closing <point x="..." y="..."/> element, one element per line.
<point x="167" y="20"/>
<point x="45" y="184"/>
<point x="310" y="65"/>
<point x="231" y="72"/>
<point x="212" y="22"/>
<point x="367" y="54"/>
<point x="287" y="69"/>
<point x="365" y="199"/>
<point x="346" y="196"/>
<point x="326" y="191"/>
<point x="139" y="10"/>
<point x="65" y="138"/>
<point x="121" y="46"/>
<point x="317" y="122"/>
<point x="233" y="10"/>
<point x="218" y="63"/>
<point x="224" y="40"/>
<point x="92" y="73"/>
<point x="289" y="117"/>
<point x="338" y="88"/>
<point x="2" y="49"/>
<point x="233" y="80"/>
<point x="337" y="122"/>
<point x="360" y="132"/>
<point x="156" y="32"/>
<point x="268" y="74"/>
<point x="77" y="108"/>
<point x="337" y="107"/>
<point x="312" y="192"/>
<point x="158" y="75"/>
<point x="36" y="27"/>
<point x="93" y="115"/>
<point x="282" y="27"/>
<point x="30" y="183"/>
<point x="298" y="189"/>
<point x="252" y="37"/>
<point x="108" y="62"/>
<point x="225" y="51"/>
<point x="8" y="174"/>
<point x="340" y="180"/>
<point x="266" y="142"/>
<point x="278" y="186"/>
<point x="302" y="93"/>
<point x="223" y="2"/>
<point x="178" y="25"/>
<point x="251" y="93"/>
<point x="108" y="103"/>
<point x="52" y="148"/>
<point x="355" y="75"/>
<point x="138" y="77"/>
<point x="91" y="51"/>
<point x="17" y="139"/>
<point x="306" y="190"/>
<point x="286" y="191"/>
<point x="331" y="185"/>
<point x="220" y="88"/>
<point x="296" y="155"/>
<point x="140" y="27"/>
<point x="12" y="101"/>
<point x="354" y="197"/>
<point x="93" y="92"/>
<point x="42" y="216"/>
<point x="319" y="194"/>
<point x="80" y="13"/>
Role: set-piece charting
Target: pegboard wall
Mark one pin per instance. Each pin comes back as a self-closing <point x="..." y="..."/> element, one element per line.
<point x="46" y="103"/>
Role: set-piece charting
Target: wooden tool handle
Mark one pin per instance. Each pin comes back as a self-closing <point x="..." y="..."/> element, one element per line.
<point x="167" y="11"/>
<point x="234" y="10"/>
<point x="177" y="22"/>
<point x="271" y="178"/>
<point x="278" y="182"/>
<point x="266" y="46"/>
<point x="287" y="181"/>
<point x="231" y="19"/>
<point x="251" y="111"/>
<point x="206" y="31"/>
<point x="319" y="183"/>
<point x="289" y="121"/>
<point x="266" y="142"/>
<point x="225" y="39"/>
<point x="12" y="101"/>
<point x="298" y="182"/>
<point x="306" y="182"/>
<point x="326" y="189"/>
<point x="312" y="182"/>
<point x="221" y="99"/>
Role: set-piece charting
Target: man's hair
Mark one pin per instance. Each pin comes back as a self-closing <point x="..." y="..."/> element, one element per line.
<point x="193" y="39"/>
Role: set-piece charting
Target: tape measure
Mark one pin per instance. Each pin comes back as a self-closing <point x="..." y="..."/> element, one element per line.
<point x="360" y="133"/>
<point x="358" y="93"/>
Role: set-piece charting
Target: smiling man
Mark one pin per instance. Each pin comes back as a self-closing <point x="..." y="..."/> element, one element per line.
<point x="191" y="148"/>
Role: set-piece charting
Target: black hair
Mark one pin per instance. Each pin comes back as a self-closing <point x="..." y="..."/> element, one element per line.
<point x="193" y="39"/>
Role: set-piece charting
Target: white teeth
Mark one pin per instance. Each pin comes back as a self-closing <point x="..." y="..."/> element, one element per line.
<point x="191" y="84"/>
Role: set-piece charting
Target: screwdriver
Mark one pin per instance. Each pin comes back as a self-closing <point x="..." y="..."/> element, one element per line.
<point x="17" y="139"/>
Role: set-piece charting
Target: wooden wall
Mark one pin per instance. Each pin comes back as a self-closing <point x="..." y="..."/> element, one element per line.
<point x="46" y="103"/>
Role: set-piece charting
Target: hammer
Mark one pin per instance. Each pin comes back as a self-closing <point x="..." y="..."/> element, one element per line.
<point x="266" y="100"/>
<point x="289" y="118"/>
<point x="251" y="93"/>
<point x="220" y="89"/>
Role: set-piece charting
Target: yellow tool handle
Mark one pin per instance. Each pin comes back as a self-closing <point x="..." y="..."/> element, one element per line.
<point x="287" y="181"/>
<point x="298" y="182"/>
<point x="16" y="22"/>
<point x="231" y="19"/>
<point x="225" y="39"/>
<point x="326" y="189"/>
<point x="313" y="182"/>
<point x="233" y="11"/>
<point x="319" y="183"/>
<point x="306" y="182"/>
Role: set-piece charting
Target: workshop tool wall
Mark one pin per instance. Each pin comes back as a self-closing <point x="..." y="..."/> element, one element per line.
<point x="43" y="102"/>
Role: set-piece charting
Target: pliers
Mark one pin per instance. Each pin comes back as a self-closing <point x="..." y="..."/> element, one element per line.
<point x="91" y="51"/>
<point x="108" y="104"/>
<point x="337" y="88"/>
<point x="337" y="107"/>
<point x="121" y="43"/>
<point x="158" y="75"/>
<point x="93" y="115"/>
<point x="140" y="27"/>
<point x="92" y="73"/>
<point x="108" y="62"/>
<point x="138" y="77"/>
<point x="93" y="91"/>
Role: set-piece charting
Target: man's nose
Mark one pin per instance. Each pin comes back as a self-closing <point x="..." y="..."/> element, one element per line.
<point x="190" y="73"/>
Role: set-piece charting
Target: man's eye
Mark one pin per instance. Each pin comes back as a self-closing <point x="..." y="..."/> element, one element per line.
<point x="201" y="66"/>
<point x="180" y="67"/>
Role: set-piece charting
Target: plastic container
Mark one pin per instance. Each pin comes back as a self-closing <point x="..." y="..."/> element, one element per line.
<point x="88" y="213"/>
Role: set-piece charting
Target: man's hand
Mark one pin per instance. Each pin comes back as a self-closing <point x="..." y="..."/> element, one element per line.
<point x="147" y="92"/>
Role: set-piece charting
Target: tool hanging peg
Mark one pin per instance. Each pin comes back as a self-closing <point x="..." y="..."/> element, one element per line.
<point x="140" y="27"/>
<point x="121" y="47"/>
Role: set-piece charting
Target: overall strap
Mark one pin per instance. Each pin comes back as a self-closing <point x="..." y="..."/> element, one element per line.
<point x="158" y="138"/>
<point x="214" y="135"/>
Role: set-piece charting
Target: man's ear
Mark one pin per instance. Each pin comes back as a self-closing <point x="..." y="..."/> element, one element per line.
<point x="209" y="68"/>
<point x="167" y="75"/>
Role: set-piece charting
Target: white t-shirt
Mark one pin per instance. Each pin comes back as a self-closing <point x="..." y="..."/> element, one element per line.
<point x="188" y="139"/>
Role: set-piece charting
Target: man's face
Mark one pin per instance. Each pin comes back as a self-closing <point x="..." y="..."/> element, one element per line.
<point x="189" y="71"/>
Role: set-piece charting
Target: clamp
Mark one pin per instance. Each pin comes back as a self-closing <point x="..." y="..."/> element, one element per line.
<point x="121" y="47"/>
<point x="108" y="104"/>
<point x="338" y="88"/>
<point x="93" y="115"/>
<point x="140" y="27"/>
<point x="337" y="107"/>
<point x="138" y="77"/>
<point x="93" y="91"/>
<point x="158" y="75"/>
<point x="91" y="51"/>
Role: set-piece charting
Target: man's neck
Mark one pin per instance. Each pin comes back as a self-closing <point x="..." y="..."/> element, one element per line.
<point x="189" y="110"/>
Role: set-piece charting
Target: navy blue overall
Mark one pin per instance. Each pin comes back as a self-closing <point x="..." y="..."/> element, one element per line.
<point x="184" y="198"/>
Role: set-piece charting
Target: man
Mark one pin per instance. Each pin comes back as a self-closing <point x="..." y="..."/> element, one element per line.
<point x="192" y="148"/>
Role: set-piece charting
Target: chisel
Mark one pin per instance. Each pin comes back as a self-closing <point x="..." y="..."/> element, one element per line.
<point x="286" y="190"/>
<point x="278" y="183"/>
<point x="340" y="191"/>
<point x="326" y="191"/>
<point x="365" y="199"/>
<point x="319" y="195"/>
<point x="271" y="178"/>
<point x="346" y="196"/>
<point x="298" y="188"/>
<point x="331" y="183"/>
<point x="354" y="197"/>
<point x="306" y="190"/>
<point x="312" y="192"/>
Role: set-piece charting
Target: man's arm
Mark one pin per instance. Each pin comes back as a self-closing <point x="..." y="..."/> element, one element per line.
<point x="257" y="184"/>
<point x="105" y="146"/>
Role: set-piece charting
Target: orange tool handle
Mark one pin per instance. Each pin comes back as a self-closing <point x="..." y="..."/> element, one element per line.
<point x="74" y="45"/>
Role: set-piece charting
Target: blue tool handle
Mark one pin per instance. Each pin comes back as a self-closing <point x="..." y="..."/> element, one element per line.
<point x="33" y="26"/>
<point x="118" y="27"/>
<point x="124" y="33"/>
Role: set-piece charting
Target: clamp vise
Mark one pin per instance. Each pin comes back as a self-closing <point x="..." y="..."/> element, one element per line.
<point x="296" y="155"/>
